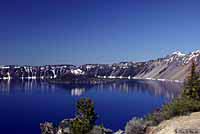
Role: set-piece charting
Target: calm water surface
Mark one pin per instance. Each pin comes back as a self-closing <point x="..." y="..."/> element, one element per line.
<point x="26" y="104"/>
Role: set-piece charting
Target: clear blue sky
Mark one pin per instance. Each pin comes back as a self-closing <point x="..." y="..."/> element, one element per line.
<point x="41" y="32"/>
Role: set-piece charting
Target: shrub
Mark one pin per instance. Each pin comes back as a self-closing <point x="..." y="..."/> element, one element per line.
<point x="155" y="118"/>
<point x="80" y="126"/>
<point x="181" y="106"/>
<point x="178" y="107"/>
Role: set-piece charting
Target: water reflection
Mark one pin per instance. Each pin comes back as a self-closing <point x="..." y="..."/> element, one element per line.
<point x="156" y="88"/>
<point x="25" y="86"/>
<point x="77" y="91"/>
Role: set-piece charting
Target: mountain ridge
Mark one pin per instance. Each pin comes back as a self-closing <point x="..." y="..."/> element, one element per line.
<point x="174" y="66"/>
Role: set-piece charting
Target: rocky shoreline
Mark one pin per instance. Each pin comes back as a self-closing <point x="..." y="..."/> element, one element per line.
<point x="82" y="80"/>
<point x="98" y="80"/>
<point x="63" y="128"/>
<point x="189" y="122"/>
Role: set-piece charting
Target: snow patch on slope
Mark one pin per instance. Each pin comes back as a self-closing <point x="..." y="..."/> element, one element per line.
<point x="178" y="53"/>
<point x="77" y="71"/>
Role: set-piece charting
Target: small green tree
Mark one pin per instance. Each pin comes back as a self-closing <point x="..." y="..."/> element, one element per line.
<point x="192" y="85"/>
<point x="85" y="118"/>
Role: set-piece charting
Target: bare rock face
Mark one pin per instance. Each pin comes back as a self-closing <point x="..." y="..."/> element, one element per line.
<point x="119" y="132"/>
<point x="100" y="130"/>
<point x="179" y="125"/>
<point x="47" y="128"/>
<point x="63" y="128"/>
<point x="135" y="126"/>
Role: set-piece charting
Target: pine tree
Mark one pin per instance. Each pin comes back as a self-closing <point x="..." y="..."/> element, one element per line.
<point x="85" y="118"/>
<point x="192" y="85"/>
<point x="85" y="109"/>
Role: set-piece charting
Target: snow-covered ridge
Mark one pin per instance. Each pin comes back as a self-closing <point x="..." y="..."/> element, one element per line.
<point x="178" y="53"/>
<point x="77" y="71"/>
<point x="181" y="57"/>
<point x="172" y="67"/>
<point x="38" y="72"/>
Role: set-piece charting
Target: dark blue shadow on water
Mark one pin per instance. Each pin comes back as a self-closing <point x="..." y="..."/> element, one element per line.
<point x="26" y="104"/>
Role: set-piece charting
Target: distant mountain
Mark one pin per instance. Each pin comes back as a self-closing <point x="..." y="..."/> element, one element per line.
<point x="175" y="66"/>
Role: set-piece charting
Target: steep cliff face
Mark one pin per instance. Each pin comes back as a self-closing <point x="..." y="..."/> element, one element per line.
<point x="175" y="66"/>
<point x="33" y="72"/>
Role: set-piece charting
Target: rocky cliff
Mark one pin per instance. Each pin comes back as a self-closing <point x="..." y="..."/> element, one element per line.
<point x="175" y="66"/>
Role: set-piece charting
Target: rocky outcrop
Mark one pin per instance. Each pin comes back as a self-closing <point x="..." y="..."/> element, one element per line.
<point x="100" y="130"/>
<point x="179" y="125"/>
<point x="63" y="128"/>
<point x="136" y="126"/>
<point x="189" y="124"/>
<point x="119" y="132"/>
<point x="47" y="128"/>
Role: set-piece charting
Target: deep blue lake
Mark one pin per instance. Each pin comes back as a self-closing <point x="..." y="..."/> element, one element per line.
<point x="26" y="104"/>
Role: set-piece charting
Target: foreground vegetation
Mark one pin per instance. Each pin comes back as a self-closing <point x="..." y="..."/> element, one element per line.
<point x="84" y="121"/>
<point x="85" y="118"/>
<point x="186" y="103"/>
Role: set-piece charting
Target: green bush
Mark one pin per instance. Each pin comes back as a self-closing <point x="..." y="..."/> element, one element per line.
<point x="181" y="106"/>
<point x="80" y="126"/>
<point x="155" y="118"/>
<point x="178" y="107"/>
